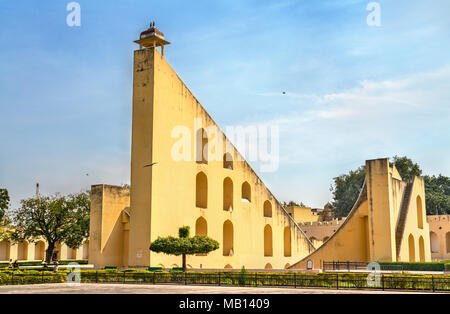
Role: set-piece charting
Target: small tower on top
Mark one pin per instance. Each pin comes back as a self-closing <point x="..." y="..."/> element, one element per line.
<point x="152" y="37"/>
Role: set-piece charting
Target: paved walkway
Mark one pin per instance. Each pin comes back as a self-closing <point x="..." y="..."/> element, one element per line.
<point x="168" y="289"/>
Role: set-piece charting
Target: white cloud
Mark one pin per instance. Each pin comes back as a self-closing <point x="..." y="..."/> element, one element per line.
<point x="339" y="131"/>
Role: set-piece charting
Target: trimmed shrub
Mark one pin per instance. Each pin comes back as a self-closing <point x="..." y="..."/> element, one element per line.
<point x="417" y="266"/>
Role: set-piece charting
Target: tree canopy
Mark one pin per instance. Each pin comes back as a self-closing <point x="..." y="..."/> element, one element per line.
<point x="437" y="192"/>
<point x="347" y="187"/>
<point x="184" y="245"/>
<point x="56" y="218"/>
<point x="345" y="191"/>
<point x="4" y="203"/>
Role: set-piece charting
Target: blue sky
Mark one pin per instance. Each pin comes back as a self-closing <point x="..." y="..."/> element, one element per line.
<point x="353" y="92"/>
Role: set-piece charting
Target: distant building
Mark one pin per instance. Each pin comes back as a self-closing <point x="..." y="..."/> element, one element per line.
<point x="439" y="236"/>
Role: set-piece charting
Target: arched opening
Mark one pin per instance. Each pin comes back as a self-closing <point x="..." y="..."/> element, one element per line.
<point x="5" y="251"/>
<point x="434" y="243"/>
<point x="421" y="249"/>
<point x="287" y="266"/>
<point x="412" y="248"/>
<point x="57" y="251"/>
<point x="174" y="266"/>
<point x="246" y="192"/>
<point x="268" y="266"/>
<point x="86" y="249"/>
<point x="287" y="241"/>
<point x="447" y="241"/>
<point x="228" y="241"/>
<point x="268" y="247"/>
<point x="228" y="266"/>
<point x="201" y="198"/>
<point x="202" y="146"/>
<point x="267" y="209"/>
<point x="71" y="253"/>
<point x="162" y="266"/>
<point x="201" y="227"/>
<point x="228" y="194"/>
<point x="39" y="251"/>
<point x="22" y="251"/>
<point x="228" y="161"/>
<point x="419" y="213"/>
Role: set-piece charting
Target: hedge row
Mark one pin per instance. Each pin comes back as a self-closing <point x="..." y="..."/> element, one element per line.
<point x="28" y="278"/>
<point x="320" y="280"/>
<point x="417" y="266"/>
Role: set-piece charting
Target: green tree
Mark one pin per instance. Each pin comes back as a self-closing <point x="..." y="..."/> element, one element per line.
<point x="63" y="219"/>
<point x="437" y="192"/>
<point x="4" y="203"/>
<point x="407" y="168"/>
<point x="184" y="245"/>
<point x="345" y="191"/>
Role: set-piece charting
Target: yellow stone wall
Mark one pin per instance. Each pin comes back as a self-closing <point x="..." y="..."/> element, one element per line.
<point x="439" y="236"/>
<point x="302" y="214"/>
<point x="108" y="241"/>
<point x="163" y="196"/>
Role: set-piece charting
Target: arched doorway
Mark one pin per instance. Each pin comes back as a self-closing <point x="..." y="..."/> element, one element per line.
<point x="419" y="212"/>
<point x="86" y="249"/>
<point x="5" y="249"/>
<point x="228" y="161"/>
<point x="434" y="243"/>
<point x="246" y="192"/>
<point x="412" y="248"/>
<point x="22" y="251"/>
<point x="268" y="246"/>
<point x="201" y="198"/>
<point x="287" y="241"/>
<point x="201" y="227"/>
<point x="228" y="194"/>
<point x="267" y="209"/>
<point x="421" y="249"/>
<point x="39" y="251"/>
<point x="228" y="238"/>
<point x="71" y="253"/>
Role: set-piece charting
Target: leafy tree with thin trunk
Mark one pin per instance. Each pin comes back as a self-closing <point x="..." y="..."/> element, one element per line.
<point x="184" y="245"/>
<point x="56" y="218"/>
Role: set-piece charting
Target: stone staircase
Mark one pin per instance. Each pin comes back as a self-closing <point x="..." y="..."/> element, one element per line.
<point x="400" y="228"/>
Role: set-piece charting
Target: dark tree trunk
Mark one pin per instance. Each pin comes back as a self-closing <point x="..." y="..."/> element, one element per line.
<point x="49" y="252"/>
<point x="184" y="262"/>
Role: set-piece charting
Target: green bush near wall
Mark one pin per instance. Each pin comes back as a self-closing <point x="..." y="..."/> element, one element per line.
<point x="418" y="266"/>
<point x="31" y="277"/>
